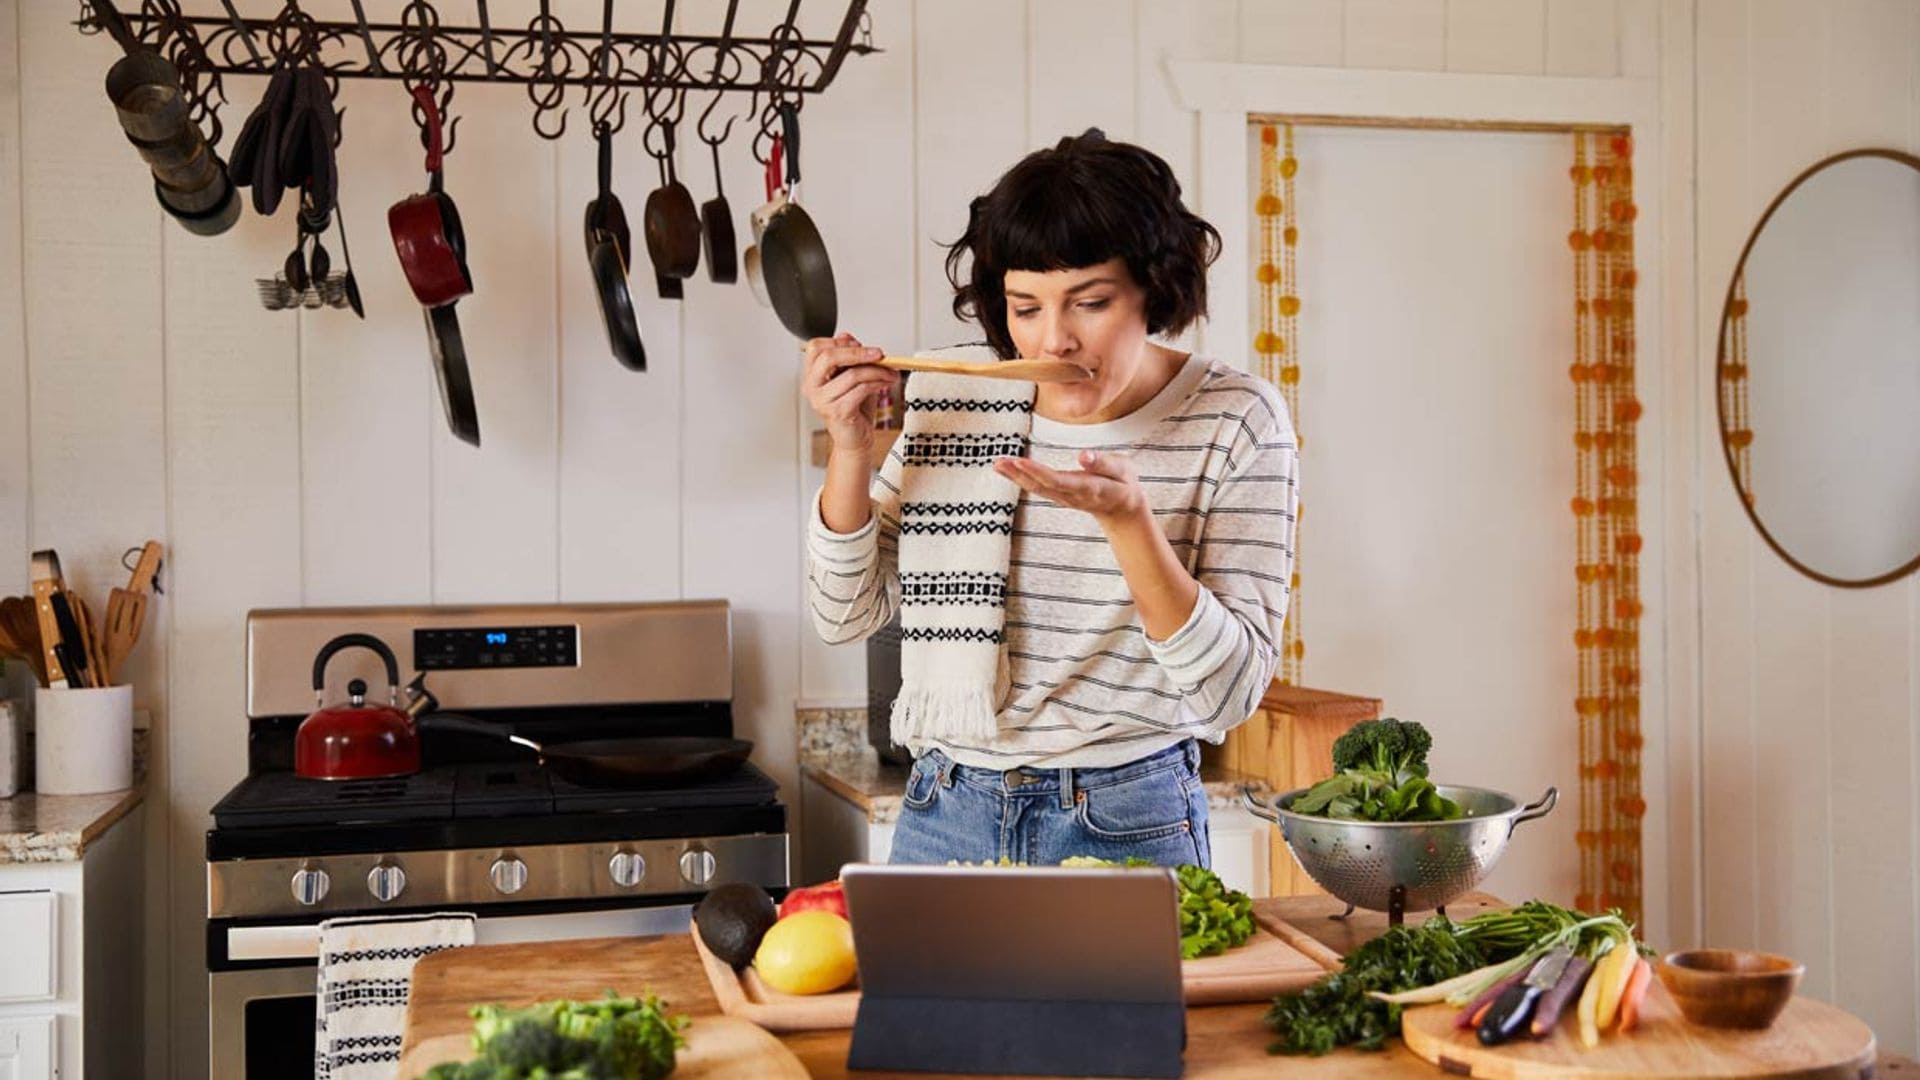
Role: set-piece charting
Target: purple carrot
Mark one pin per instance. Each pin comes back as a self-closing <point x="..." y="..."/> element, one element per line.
<point x="1464" y="1021"/>
<point x="1546" y="1012"/>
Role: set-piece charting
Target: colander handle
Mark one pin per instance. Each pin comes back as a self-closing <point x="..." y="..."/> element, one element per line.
<point x="1536" y="810"/>
<point x="1257" y="807"/>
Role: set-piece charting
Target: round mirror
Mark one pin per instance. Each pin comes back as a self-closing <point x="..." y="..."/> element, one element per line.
<point x="1819" y="370"/>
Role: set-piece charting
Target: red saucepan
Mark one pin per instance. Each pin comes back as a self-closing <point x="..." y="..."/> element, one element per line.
<point x="433" y="252"/>
<point x="359" y="739"/>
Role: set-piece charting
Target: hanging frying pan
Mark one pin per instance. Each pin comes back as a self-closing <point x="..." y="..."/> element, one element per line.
<point x="433" y="254"/>
<point x="631" y="762"/>
<point x="672" y="220"/>
<point x="608" y="241"/>
<point x="716" y="222"/>
<point x="793" y="257"/>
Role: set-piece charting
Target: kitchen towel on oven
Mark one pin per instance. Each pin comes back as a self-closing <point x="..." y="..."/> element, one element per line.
<point x="955" y="538"/>
<point x="366" y="970"/>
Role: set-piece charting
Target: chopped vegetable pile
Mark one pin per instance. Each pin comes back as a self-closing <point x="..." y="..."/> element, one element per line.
<point x="615" y="1038"/>
<point x="1380" y="774"/>
<point x="1213" y="918"/>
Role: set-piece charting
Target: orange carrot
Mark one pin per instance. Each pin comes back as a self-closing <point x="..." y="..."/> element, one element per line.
<point x="1480" y="1013"/>
<point x="1636" y="993"/>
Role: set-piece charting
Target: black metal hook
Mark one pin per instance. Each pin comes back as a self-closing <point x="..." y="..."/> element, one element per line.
<point x="607" y="104"/>
<point x="546" y="89"/>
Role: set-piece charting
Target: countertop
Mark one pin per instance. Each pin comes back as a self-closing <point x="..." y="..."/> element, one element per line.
<point x="1222" y="1040"/>
<point x="36" y="828"/>
<point x="834" y="752"/>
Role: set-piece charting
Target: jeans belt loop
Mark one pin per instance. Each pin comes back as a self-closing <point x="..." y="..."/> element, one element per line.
<point x="1066" y="788"/>
<point x="946" y="773"/>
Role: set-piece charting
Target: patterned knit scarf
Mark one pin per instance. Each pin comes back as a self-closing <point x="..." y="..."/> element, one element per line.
<point x="956" y="533"/>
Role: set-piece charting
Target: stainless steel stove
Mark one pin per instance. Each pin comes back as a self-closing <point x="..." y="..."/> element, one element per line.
<point x="482" y="827"/>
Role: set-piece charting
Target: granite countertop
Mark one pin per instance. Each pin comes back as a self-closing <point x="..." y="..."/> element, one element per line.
<point x="834" y="752"/>
<point x="36" y="828"/>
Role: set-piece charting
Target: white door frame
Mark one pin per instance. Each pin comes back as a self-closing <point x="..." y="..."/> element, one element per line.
<point x="1226" y="95"/>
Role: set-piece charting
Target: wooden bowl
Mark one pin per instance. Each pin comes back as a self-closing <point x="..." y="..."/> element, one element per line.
<point x="1730" y="988"/>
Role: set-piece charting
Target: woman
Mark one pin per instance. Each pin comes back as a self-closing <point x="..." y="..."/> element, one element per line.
<point x="1152" y="549"/>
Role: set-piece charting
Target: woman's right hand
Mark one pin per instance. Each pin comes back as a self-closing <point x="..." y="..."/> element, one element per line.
<point x="841" y="378"/>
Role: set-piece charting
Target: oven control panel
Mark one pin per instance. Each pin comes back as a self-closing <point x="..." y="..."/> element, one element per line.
<point x="470" y="647"/>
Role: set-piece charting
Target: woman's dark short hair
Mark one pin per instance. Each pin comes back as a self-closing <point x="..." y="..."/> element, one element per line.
<point x="1079" y="204"/>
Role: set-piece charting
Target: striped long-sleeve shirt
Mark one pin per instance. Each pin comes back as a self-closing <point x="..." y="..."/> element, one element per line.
<point x="1216" y="454"/>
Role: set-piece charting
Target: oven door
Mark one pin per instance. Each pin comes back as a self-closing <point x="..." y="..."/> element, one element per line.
<point x="261" y="979"/>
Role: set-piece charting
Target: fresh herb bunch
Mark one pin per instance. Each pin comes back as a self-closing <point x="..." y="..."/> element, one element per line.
<point x="1213" y="918"/>
<point x="1339" y="1010"/>
<point x="1380" y="774"/>
<point x="614" y="1038"/>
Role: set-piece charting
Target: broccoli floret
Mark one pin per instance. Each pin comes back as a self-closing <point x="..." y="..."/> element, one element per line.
<point x="1395" y="748"/>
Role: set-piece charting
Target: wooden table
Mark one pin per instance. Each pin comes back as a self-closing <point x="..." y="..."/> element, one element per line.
<point x="1222" y="1040"/>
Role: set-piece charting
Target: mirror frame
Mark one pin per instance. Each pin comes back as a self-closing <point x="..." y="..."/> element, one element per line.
<point x="1720" y="364"/>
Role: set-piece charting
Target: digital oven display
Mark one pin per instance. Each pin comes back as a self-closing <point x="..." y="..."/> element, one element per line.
<point x="496" y="647"/>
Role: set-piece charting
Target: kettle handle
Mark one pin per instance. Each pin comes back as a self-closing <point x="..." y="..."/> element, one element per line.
<point x="352" y="641"/>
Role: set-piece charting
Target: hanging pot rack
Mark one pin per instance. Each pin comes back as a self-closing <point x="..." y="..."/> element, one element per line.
<point x="592" y="67"/>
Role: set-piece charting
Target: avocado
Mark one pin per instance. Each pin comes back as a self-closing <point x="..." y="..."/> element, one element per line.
<point x="732" y="919"/>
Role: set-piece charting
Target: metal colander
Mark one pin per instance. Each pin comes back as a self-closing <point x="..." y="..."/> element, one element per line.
<point x="1400" y="866"/>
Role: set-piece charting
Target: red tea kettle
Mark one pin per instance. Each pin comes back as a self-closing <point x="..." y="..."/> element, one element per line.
<point x="359" y="740"/>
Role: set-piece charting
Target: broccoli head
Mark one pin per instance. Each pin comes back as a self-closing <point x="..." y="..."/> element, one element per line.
<point x="1392" y="747"/>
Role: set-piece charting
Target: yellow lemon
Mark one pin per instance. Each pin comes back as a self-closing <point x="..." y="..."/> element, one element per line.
<point x="807" y="953"/>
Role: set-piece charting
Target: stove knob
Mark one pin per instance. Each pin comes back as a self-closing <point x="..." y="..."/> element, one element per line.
<point x="310" y="885"/>
<point x="629" y="868"/>
<point x="509" y="874"/>
<point x="386" y="882"/>
<point x="697" y="866"/>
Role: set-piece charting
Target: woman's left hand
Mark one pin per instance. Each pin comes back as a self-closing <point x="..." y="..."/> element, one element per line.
<point x="1106" y="485"/>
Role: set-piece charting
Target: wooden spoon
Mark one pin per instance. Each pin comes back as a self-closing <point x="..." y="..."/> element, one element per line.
<point x="20" y="634"/>
<point x="1026" y="370"/>
<point x="127" y="611"/>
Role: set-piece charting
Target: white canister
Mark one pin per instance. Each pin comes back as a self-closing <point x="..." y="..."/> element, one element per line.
<point x="83" y="740"/>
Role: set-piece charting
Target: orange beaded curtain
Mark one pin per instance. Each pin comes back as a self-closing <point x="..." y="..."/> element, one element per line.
<point x="1277" y="344"/>
<point x="1606" y="511"/>
<point x="1733" y="390"/>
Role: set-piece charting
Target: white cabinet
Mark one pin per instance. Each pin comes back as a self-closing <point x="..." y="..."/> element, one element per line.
<point x="72" y="971"/>
<point x="26" y="1048"/>
<point x="29" y="945"/>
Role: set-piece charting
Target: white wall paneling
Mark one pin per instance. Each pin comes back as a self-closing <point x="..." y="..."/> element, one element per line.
<point x="1810" y="696"/>
<point x="14" y="442"/>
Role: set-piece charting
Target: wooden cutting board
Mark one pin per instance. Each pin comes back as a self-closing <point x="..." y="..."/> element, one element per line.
<point x="717" y="1046"/>
<point x="1810" y="1039"/>
<point x="1268" y="964"/>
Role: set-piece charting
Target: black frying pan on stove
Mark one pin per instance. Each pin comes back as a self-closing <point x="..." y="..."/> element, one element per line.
<point x="620" y="763"/>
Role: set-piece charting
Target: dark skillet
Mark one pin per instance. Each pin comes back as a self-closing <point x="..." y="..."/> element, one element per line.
<point x="716" y="220"/>
<point x="632" y="762"/>
<point x="793" y="257"/>
<point x="672" y="223"/>
<point x="608" y="245"/>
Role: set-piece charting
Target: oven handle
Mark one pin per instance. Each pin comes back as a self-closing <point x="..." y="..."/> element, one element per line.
<point x="299" y="943"/>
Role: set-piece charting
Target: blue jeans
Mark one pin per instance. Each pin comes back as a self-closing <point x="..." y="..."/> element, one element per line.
<point x="1153" y="809"/>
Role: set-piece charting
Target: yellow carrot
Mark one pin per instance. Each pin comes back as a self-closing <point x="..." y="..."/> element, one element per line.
<point x="1619" y="964"/>
<point x="1584" y="1011"/>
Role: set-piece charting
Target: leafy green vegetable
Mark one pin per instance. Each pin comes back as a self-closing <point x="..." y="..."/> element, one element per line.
<point x="1213" y="918"/>
<point x="1440" y="960"/>
<point x="1384" y="746"/>
<point x="1339" y="1011"/>
<point x="1380" y="775"/>
<point x="615" y="1038"/>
